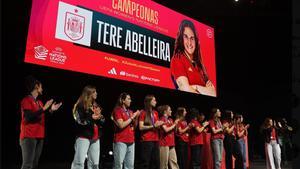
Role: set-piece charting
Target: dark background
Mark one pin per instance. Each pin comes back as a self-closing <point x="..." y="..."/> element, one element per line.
<point x="253" y="60"/>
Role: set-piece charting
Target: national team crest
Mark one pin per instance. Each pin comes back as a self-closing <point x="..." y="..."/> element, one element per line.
<point x="74" y="26"/>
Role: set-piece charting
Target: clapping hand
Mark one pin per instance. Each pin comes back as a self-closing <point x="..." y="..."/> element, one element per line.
<point x="55" y="106"/>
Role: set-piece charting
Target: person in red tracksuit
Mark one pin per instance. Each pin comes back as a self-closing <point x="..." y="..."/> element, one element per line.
<point x="182" y="138"/>
<point x="217" y="136"/>
<point x="125" y="122"/>
<point x="196" y="137"/>
<point x="167" y="141"/>
<point x="149" y="125"/>
<point x="33" y="123"/>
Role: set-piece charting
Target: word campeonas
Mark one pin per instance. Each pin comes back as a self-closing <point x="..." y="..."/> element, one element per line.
<point x="137" y="10"/>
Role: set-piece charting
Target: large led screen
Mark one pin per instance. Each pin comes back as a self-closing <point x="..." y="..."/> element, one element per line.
<point x="132" y="40"/>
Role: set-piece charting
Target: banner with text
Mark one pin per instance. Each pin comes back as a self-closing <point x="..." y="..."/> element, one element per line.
<point x="123" y="39"/>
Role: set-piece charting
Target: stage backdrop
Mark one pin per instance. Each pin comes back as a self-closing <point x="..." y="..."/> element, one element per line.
<point x="123" y="39"/>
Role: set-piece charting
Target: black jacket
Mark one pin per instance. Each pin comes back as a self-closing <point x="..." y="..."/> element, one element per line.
<point x="85" y="123"/>
<point x="267" y="134"/>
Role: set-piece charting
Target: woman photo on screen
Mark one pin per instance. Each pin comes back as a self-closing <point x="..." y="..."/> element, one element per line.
<point x="125" y="122"/>
<point x="88" y="118"/>
<point x="33" y="122"/>
<point x="149" y="125"/>
<point x="167" y="150"/>
<point x="182" y="138"/>
<point x="187" y="69"/>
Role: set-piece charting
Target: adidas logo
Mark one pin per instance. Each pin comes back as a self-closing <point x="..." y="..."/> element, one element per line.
<point x="112" y="71"/>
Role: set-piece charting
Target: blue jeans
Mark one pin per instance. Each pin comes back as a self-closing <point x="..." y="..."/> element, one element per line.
<point x="242" y="147"/>
<point x="217" y="148"/>
<point x="85" y="147"/>
<point x="123" y="155"/>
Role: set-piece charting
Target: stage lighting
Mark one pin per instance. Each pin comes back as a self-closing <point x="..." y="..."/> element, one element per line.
<point x="110" y="153"/>
<point x="236" y="0"/>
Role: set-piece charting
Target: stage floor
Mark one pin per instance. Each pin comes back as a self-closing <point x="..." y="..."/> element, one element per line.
<point x="253" y="165"/>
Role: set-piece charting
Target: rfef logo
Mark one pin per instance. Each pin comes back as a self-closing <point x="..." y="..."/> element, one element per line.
<point x="74" y="24"/>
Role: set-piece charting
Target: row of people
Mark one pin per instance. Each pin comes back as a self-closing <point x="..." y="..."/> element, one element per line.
<point x="158" y="132"/>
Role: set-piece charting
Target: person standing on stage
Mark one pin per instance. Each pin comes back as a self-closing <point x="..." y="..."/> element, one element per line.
<point x="284" y="138"/>
<point x="196" y="138"/>
<point x="88" y="118"/>
<point x="229" y="139"/>
<point x="167" y="141"/>
<point x="33" y="123"/>
<point x="149" y="125"/>
<point x="182" y="138"/>
<point x="241" y="133"/>
<point x="272" y="148"/>
<point x="217" y="136"/>
<point x="125" y="123"/>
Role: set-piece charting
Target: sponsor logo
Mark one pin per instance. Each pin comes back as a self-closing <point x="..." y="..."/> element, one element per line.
<point x="149" y="79"/>
<point x="40" y="52"/>
<point x="112" y="71"/>
<point x="58" y="56"/>
<point x="209" y="33"/>
<point x="74" y="24"/>
<point x="122" y="73"/>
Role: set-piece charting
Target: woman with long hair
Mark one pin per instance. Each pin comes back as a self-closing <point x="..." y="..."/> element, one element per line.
<point x="167" y="141"/>
<point x="88" y="117"/>
<point x="196" y="138"/>
<point x="149" y="125"/>
<point x="217" y="136"/>
<point x="187" y="68"/>
<point x="125" y="122"/>
<point x="33" y="123"/>
<point x="229" y="139"/>
<point x="272" y="148"/>
<point x="182" y="138"/>
<point x="241" y="133"/>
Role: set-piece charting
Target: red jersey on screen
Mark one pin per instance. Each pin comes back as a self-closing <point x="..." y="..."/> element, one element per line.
<point x="33" y="129"/>
<point x="125" y="135"/>
<point x="182" y="136"/>
<point x="181" y="66"/>
<point x="196" y="137"/>
<point x="166" y="139"/>
<point x="152" y="134"/>
<point x="217" y="125"/>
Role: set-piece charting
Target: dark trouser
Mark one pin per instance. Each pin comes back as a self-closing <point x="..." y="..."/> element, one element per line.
<point x="182" y="153"/>
<point x="228" y="146"/>
<point x="150" y="155"/>
<point x="237" y="153"/>
<point x="196" y="156"/>
<point x="31" y="152"/>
